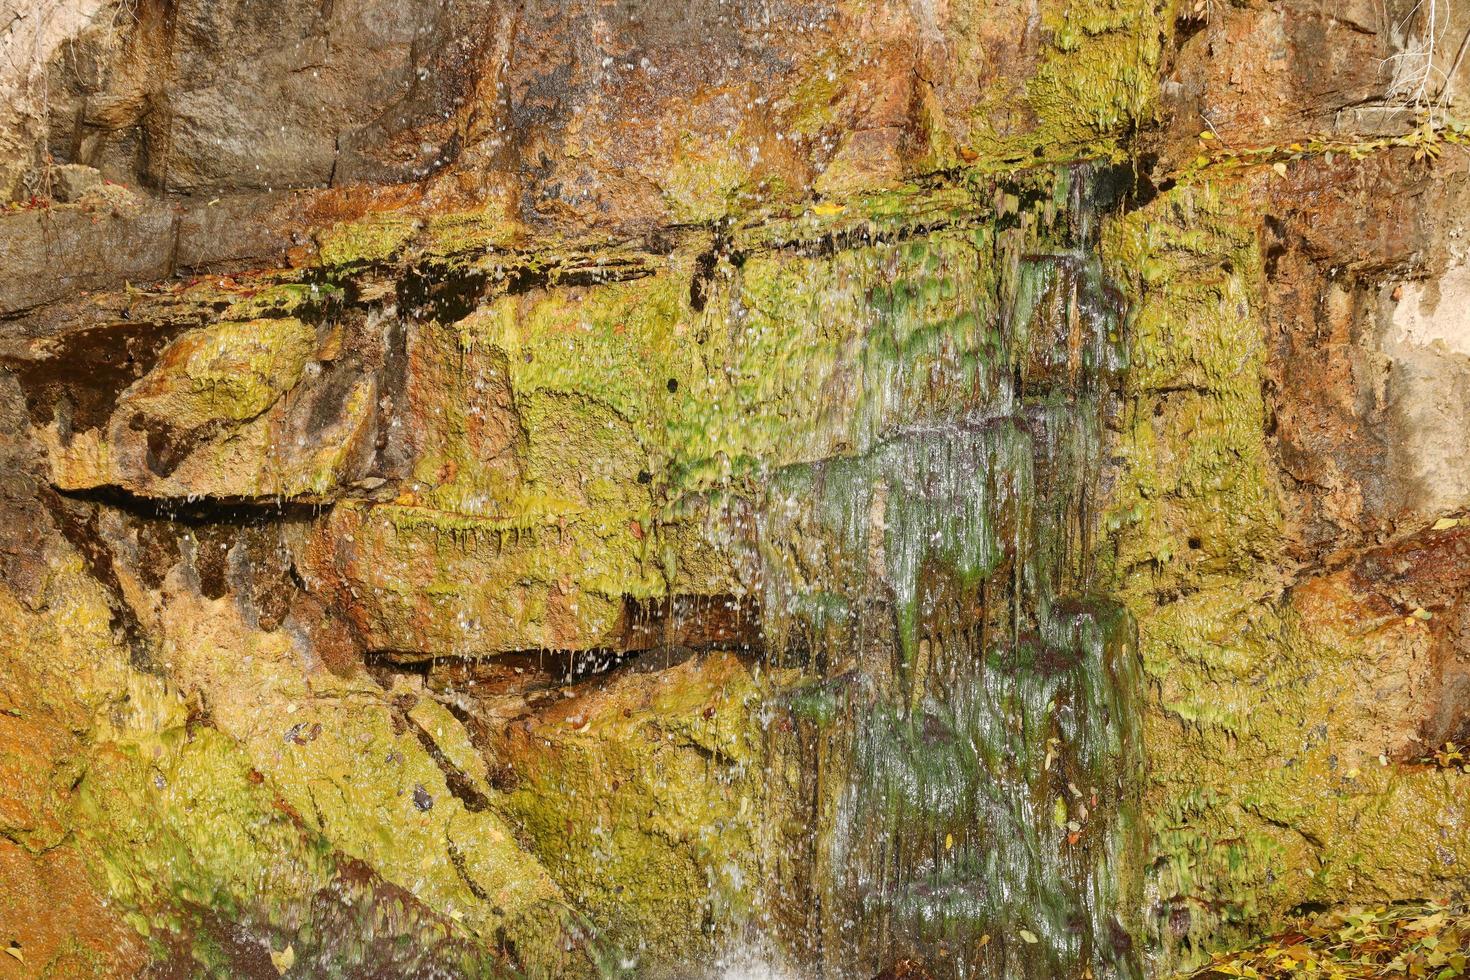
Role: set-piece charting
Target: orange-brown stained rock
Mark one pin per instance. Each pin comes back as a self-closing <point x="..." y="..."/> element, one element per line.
<point x="1424" y="583"/>
<point x="51" y="904"/>
<point x="1270" y="73"/>
<point x="51" y="910"/>
<point x="1367" y="415"/>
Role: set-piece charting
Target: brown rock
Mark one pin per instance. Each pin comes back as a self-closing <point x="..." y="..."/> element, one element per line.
<point x="71" y="180"/>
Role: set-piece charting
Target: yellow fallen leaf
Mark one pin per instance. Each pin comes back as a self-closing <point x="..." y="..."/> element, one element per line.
<point x="1445" y="523"/>
<point x="1029" y="936"/>
<point x="827" y="210"/>
<point x="1059" y="813"/>
<point x="283" y="960"/>
<point x="1422" y="614"/>
<point x="1280" y="168"/>
<point x="15" y="951"/>
<point x="949" y="842"/>
<point x="1426" y="923"/>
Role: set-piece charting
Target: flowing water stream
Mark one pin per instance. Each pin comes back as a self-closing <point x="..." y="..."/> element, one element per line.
<point x="967" y="746"/>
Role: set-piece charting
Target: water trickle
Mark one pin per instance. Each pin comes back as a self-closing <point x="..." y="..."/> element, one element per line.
<point x="967" y="742"/>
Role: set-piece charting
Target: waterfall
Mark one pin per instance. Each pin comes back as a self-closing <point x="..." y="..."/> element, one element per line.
<point x="965" y="744"/>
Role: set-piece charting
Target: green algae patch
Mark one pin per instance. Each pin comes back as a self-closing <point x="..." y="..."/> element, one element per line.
<point x="233" y="409"/>
<point x="180" y="822"/>
<point x="297" y="787"/>
<point x="468" y="232"/>
<point x="891" y="545"/>
<point x="1193" y="452"/>
<point x="168" y="815"/>
<point x="468" y="460"/>
<point x="702" y="184"/>
<point x="1187" y="518"/>
<point x="195" y="841"/>
<point x="644" y="798"/>
<point x="374" y="239"/>
<point x="1099" y="75"/>
<point x="360" y="776"/>
<point x="1095" y="82"/>
<point x="786" y="357"/>
<point x="284" y="299"/>
<point x="229" y="371"/>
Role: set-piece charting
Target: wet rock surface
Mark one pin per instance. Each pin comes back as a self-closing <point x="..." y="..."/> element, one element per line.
<point x="594" y="488"/>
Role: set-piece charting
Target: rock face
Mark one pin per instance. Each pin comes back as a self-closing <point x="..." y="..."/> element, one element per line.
<point x="1284" y="640"/>
<point x="594" y="488"/>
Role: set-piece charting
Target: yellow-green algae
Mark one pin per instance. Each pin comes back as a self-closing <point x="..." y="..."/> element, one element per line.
<point x="185" y="824"/>
<point x="435" y="583"/>
<point x="222" y="843"/>
<point x="701" y="183"/>
<point x="498" y="544"/>
<point x="375" y="238"/>
<point x="299" y="299"/>
<point x="646" y="800"/>
<point x="231" y="371"/>
<point x="223" y="392"/>
<point x="1267" y="789"/>
<point x="467" y="232"/>
<point x="790" y="359"/>
<point x="1094" y="83"/>
<point x="354" y="779"/>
